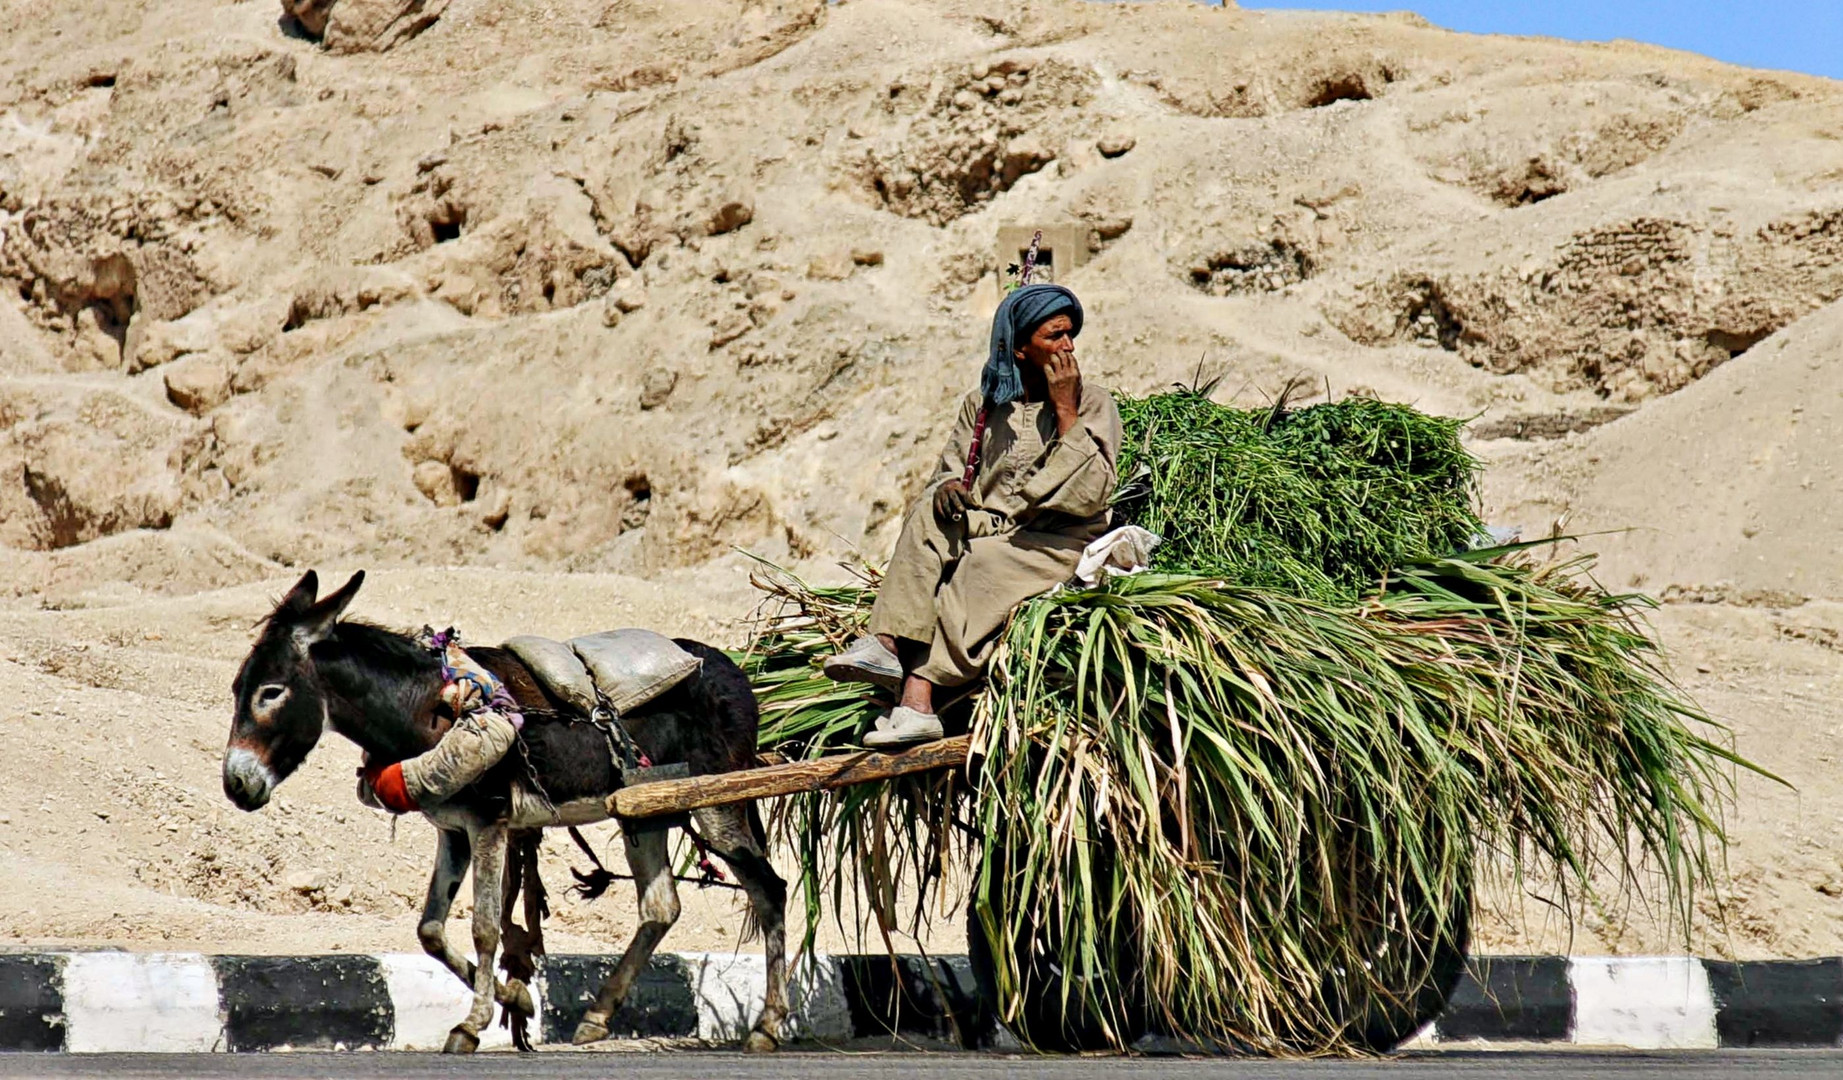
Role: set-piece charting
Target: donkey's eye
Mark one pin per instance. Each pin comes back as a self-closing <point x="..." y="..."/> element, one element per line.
<point x="271" y="695"/>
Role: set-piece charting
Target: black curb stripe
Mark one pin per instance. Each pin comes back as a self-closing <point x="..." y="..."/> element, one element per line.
<point x="1777" y="1002"/>
<point x="903" y="999"/>
<point x="32" y="1003"/>
<point x="661" y="1004"/>
<point x="322" y="1002"/>
<point x="1522" y="998"/>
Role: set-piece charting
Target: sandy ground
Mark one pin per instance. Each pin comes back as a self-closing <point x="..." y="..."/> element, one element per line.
<point x="544" y="313"/>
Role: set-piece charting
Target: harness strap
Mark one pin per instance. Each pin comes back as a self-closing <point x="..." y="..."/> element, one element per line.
<point x="985" y="407"/>
<point x="978" y="444"/>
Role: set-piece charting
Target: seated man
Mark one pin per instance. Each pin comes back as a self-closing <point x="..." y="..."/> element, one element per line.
<point x="1022" y="487"/>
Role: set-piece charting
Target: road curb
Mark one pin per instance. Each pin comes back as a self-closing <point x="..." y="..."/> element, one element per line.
<point x="187" y="1002"/>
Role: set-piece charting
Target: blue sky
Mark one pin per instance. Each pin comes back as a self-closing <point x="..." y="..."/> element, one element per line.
<point x="1793" y="35"/>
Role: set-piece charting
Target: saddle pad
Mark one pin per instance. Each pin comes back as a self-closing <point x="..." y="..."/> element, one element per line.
<point x="632" y="667"/>
<point x="556" y="668"/>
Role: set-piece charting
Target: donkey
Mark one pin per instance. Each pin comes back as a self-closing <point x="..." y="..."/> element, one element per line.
<point x="310" y="671"/>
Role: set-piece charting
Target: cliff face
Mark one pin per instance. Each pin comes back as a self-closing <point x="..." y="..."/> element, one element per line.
<point x="621" y="286"/>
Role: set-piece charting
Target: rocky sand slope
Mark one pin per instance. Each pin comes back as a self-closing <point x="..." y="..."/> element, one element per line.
<point x="543" y="311"/>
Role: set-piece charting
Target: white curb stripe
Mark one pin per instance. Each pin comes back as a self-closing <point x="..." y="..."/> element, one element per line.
<point x="142" y="1002"/>
<point x="1643" y="1003"/>
<point x="728" y="989"/>
<point x="429" y="1001"/>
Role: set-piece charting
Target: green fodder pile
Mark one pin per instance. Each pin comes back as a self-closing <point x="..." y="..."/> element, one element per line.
<point x="1274" y="805"/>
<point x="1320" y="501"/>
<point x="1247" y="802"/>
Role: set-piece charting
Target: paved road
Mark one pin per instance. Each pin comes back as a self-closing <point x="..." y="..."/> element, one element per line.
<point x="1439" y="1065"/>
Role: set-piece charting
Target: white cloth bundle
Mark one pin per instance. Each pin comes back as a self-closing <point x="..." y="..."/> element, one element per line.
<point x="1126" y="550"/>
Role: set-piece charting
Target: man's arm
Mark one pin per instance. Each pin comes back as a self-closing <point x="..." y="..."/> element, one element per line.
<point x="1076" y="474"/>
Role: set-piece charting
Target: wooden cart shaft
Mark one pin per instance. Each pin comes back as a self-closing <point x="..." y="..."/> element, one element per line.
<point x="815" y="774"/>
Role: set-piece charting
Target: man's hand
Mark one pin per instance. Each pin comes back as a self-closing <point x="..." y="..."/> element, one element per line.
<point x="1064" y="378"/>
<point x="950" y="501"/>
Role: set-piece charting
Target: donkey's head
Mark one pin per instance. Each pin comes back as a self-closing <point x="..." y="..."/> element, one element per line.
<point x="281" y="704"/>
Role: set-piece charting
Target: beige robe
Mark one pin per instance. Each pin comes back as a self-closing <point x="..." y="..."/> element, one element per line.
<point x="1037" y="500"/>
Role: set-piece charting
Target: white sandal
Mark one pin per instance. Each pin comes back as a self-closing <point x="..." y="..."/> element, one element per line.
<point x="867" y="661"/>
<point x="903" y="726"/>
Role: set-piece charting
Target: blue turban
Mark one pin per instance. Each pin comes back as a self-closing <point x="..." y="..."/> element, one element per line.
<point x="1018" y="318"/>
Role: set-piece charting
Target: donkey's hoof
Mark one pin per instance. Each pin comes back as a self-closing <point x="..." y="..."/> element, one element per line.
<point x="760" y="1042"/>
<point x="590" y="1030"/>
<point x="515" y="995"/>
<point x="461" y="1041"/>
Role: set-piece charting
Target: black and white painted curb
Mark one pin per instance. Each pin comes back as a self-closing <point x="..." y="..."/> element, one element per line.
<point x="151" y="1002"/>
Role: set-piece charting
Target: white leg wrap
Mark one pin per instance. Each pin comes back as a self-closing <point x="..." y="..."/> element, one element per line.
<point x="472" y="746"/>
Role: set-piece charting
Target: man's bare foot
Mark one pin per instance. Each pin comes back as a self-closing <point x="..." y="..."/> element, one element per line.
<point x="918" y="694"/>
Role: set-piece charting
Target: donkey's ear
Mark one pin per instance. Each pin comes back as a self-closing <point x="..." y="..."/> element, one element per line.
<point x="318" y="621"/>
<point x="301" y="597"/>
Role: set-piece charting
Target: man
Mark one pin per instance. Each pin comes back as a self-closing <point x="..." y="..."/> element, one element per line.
<point x="1022" y="487"/>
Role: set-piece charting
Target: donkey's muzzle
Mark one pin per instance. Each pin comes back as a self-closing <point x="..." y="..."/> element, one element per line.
<point x="247" y="781"/>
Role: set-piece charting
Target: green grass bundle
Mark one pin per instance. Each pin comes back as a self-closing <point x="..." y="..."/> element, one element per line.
<point x="1273" y="804"/>
<point x="1320" y="501"/>
<point x="856" y="845"/>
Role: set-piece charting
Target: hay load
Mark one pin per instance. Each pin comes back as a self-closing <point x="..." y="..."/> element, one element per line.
<point x="1320" y="501"/>
<point x="1243" y="797"/>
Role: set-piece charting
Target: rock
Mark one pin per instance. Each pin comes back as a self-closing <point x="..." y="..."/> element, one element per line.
<point x="657" y="387"/>
<point x="306" y="881"/>
<point x="342" y="895"/>
<point x="628" y="297"/>
<point x="157" y="343"/>
<point x="353" y="26"/>
<point x="733" y="214"/>
<point x="729" y="328"/>
<point x="611" y="311"/>
<point x="496" y="509"/>
<point x="436" y="482"/>
<point x="867" y="256"/>
<point x="310" y="14"/>
<point x="1023" y="155"/>
<point x="199" y="382"/>
<point x="1115" y="143"/>
<point x="832" y="266"/>
<point x="242" y="329"/>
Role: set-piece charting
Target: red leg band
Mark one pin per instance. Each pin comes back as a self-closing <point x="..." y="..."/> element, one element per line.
<point x="387" y="782"/>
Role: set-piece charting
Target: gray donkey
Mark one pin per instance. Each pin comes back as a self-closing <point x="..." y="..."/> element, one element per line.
<point x="310" y="671"/>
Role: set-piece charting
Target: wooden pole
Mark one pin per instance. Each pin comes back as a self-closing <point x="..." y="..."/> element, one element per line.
<point x="817" y="774"/>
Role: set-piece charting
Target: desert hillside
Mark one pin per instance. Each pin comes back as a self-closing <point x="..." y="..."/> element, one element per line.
<point x="543" y="312"/>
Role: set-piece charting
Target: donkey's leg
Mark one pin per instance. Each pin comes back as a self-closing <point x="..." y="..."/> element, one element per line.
<point x="519" y="944"/>
<point x="452" y="851"/>
<point x="651" y="865"/>
<point x="489" y="844"/>
<point x="731" y="834"/>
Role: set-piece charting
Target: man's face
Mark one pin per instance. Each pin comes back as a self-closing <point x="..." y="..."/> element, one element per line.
<point x="1056" y="335"/>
